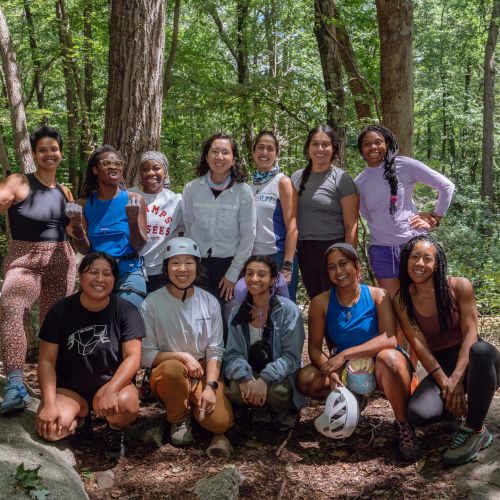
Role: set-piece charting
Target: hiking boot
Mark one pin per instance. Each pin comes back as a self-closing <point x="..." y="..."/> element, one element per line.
<point x="261" y="416"/>
<point x="407" y="440"/>
<point x="84" y="432"/>
<point x="466" y="444"/>
<point x="284" y="421"/>
<point x="15" y="398"/>
<point x="114" y="443"/>
<point x="180" y="433"/>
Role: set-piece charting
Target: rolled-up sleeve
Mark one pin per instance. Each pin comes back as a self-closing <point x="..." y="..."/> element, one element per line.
<point x="215" y="345"/>
<point x="150" y="347"/>
<point x="235" y="365"/>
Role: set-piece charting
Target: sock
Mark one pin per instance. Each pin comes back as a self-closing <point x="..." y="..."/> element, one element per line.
<point x="15" y="377"/>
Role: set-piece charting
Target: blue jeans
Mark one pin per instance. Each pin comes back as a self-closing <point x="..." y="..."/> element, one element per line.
<point x="132" y="287"/>
<point x="292" y="287"/>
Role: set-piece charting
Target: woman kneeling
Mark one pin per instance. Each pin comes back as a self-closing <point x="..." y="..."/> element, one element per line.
<point x="264" y="348"/>
<point x="356" y="321"/>
<point x="438" y="315"/>
<point x="90" y="351"/>
<point x="184" y="347"/>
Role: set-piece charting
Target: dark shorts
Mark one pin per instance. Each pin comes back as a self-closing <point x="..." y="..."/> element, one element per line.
<point x="87" y="395"/>
<point x="385" y="260"/>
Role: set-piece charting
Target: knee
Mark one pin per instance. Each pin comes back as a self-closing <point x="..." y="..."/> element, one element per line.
<point x="172" y="369"/>
<point x="390" y="359"/>
<point x="305" y="379"/>
<point x="128" y="401"/>
<point x="480" y="352"/>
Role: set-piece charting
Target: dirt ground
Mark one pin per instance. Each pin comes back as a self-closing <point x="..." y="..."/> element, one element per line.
<point x="300" y="465"/>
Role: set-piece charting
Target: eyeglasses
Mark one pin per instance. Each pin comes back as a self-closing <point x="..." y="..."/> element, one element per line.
<point x="111" y="163"/>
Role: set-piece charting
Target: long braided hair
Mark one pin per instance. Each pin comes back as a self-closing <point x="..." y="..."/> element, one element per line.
<point x="326" y="129"/>
<point x="390" y="155"/>
<point x="445" y="302"/>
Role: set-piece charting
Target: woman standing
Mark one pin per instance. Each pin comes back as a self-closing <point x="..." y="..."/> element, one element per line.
<point x="264" y="349"/>
<point x="438" y="315"/>
<point x="40" y="262"/>
<point x="328" y="207"/>
<point x="110" y="219"/>
<point x="386" y="189"/>
<point x="184" y="347"/>
<point x="357" y="322"/>
<point x="163" y="209"/>
<point x="218" y="211"/>
<point x="276" y="207"/>
<point x="90" y="351"/>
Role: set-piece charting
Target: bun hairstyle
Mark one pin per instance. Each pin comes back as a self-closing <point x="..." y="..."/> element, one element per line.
<point x="326" y="129"/>
<point x="390" y="155"/>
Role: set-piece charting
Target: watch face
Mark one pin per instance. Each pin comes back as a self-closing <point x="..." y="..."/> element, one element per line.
<point x="214" y="385"/>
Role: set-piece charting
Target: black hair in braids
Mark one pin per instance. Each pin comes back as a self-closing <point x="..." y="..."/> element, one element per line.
<point x="445" y="303"/>
<point x="326" y="129"/>
<point x="390" y="155"/>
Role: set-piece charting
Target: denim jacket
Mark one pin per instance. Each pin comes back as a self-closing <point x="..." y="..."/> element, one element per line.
<point x="287" y="340"/>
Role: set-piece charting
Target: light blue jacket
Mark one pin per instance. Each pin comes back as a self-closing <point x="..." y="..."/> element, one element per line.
<point x="287" y="343"/>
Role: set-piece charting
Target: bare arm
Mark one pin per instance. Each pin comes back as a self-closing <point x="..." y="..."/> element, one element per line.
<point x="47" y="371"/>
<point x="137" y="221"/>
<point x="317" y="328"/>
<point x="13" y="189"/>
<point x="288" y="199"/>
<point x="77" y="228"/>
<point x="350" y="213"/>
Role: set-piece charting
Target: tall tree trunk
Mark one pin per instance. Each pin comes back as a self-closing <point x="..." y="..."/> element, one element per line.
<point x="332" y="72"/>
<point x="35" y="58"/>
<point x="395" y="25"/>
<point x="487" y="191"/>
<point x="169" y="66"/>
<point x="15" y="97"/>
<point x="270" y="30"/>
<point x="88" y="61"/>
<point x="135" y="84"/>
<point x="4" y="156"/>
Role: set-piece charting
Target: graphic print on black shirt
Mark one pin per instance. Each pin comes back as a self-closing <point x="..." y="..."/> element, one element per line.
<point x="86" y="339"/>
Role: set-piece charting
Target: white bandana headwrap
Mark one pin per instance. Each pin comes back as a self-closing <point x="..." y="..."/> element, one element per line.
<point x="161" y="159"/>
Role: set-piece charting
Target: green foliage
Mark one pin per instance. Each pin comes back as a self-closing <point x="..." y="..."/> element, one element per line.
<point x="31" y="482"/>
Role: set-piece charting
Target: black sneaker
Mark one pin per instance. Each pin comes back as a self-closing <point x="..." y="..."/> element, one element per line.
<point x="114" y="443"/>
<point x="407" y="440"/>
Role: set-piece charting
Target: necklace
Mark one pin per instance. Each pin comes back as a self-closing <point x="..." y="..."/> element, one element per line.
<point x="347" y="307"/>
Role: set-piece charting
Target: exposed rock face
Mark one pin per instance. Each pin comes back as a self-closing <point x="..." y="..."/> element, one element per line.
<point x="223" y="486"/>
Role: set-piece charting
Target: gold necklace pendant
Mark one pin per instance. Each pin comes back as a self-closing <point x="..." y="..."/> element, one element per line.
<point x="348" y="315"/>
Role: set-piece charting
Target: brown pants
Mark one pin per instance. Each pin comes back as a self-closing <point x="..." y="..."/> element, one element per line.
<point x="170" y="381"/>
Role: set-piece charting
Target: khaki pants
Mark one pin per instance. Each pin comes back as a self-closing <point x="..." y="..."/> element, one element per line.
<point x="279" y="396"/>
<point x="171" y="383"/>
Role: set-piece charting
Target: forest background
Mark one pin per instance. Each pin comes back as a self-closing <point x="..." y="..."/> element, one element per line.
<point x="157" y="74"/>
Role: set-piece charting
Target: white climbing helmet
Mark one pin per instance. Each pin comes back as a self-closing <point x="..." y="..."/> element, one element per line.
<point x="181" y="246"/>
<point x="341" y="414"/>
<point x="360" y="376"/>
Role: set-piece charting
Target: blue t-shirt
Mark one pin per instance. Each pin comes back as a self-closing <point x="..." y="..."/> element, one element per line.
<point x="361" y="326"/>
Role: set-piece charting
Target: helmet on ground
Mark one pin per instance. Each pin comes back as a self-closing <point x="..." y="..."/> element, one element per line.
<point x="181" y="246"/>
<point x="360" y="376"/>
<point x="341" y="414"/>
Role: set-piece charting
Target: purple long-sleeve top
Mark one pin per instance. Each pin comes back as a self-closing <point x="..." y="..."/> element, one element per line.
<point x="375" y="196"/>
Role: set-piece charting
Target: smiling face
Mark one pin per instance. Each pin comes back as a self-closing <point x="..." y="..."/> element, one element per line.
<point x="152" y="176"/>
<point x="373" y="148"/>
<point x="220" y="159"/>
<point x="320" y="151"/>
<point x="97" y="282"/>
<point x="265" y="153"/>
<point x="258" y="278"/>
<point x="342" y="271"/>
<point x="47" y="154"/>
<point x="109" y="169"/>
<point x="422" y="262"/>
<point x="181" y="270"/>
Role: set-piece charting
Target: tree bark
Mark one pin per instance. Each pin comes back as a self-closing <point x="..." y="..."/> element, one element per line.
<point x="88" y="63"/>
<point x="15" y="97"/>
<point x="332" y="71"/>
<point x="4" y="157"/>
<point x="169" y="66"/>
<point x="135" y="84"/>
<point x="489" y="105"/>
<point x="395" y="24"/>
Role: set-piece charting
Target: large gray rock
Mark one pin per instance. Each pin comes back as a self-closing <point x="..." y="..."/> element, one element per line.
<point x="20" y="444"/>
<point x="223" y="486"/>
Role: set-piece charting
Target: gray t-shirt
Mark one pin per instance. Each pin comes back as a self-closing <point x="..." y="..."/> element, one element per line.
<point x="319" y="214"/>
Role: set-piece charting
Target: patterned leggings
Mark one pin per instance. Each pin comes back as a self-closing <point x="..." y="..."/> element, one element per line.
<point x="32" y="270"/>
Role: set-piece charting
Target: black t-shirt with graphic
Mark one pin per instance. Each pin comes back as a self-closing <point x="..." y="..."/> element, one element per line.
<point x="89" y="342"/>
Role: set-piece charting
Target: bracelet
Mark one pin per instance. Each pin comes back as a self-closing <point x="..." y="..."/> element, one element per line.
<point x="435" y="370"/>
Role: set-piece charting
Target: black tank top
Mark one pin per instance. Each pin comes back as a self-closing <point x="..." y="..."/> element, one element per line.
<point x="40" y="217"/>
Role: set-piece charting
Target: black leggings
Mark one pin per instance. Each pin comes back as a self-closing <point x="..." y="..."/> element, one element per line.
<point x="480" y="382"/>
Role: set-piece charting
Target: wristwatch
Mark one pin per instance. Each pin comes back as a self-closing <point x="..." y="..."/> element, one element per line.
<point x="213" y="384"/>
<point x="287" y="264"/>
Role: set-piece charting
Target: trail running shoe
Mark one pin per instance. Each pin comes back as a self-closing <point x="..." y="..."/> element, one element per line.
<point x="466" y="444"/>
<point x="283" y="422"/>
<point x="407" y="440"/>
<point x="181" y="434"/>
<point x="114" y="443"/>
<point x="261" y="416"/>
<point x="15" y="398"/>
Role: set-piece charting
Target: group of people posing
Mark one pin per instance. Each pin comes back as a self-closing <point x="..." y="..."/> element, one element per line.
<point x="200" y="290"/>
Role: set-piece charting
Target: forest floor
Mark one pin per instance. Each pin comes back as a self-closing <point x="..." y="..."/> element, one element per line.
<point x="300" y="464"/>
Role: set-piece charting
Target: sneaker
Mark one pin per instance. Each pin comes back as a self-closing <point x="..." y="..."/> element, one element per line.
<point x="407" y="440"/>
<point x="261" y="416"/>
<point x="15" y="398"/>
<point x="283" y="422"/>
<point x="180" y="433"/>
<point x="114" y="443"/>
<point x="466" y="444"/>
